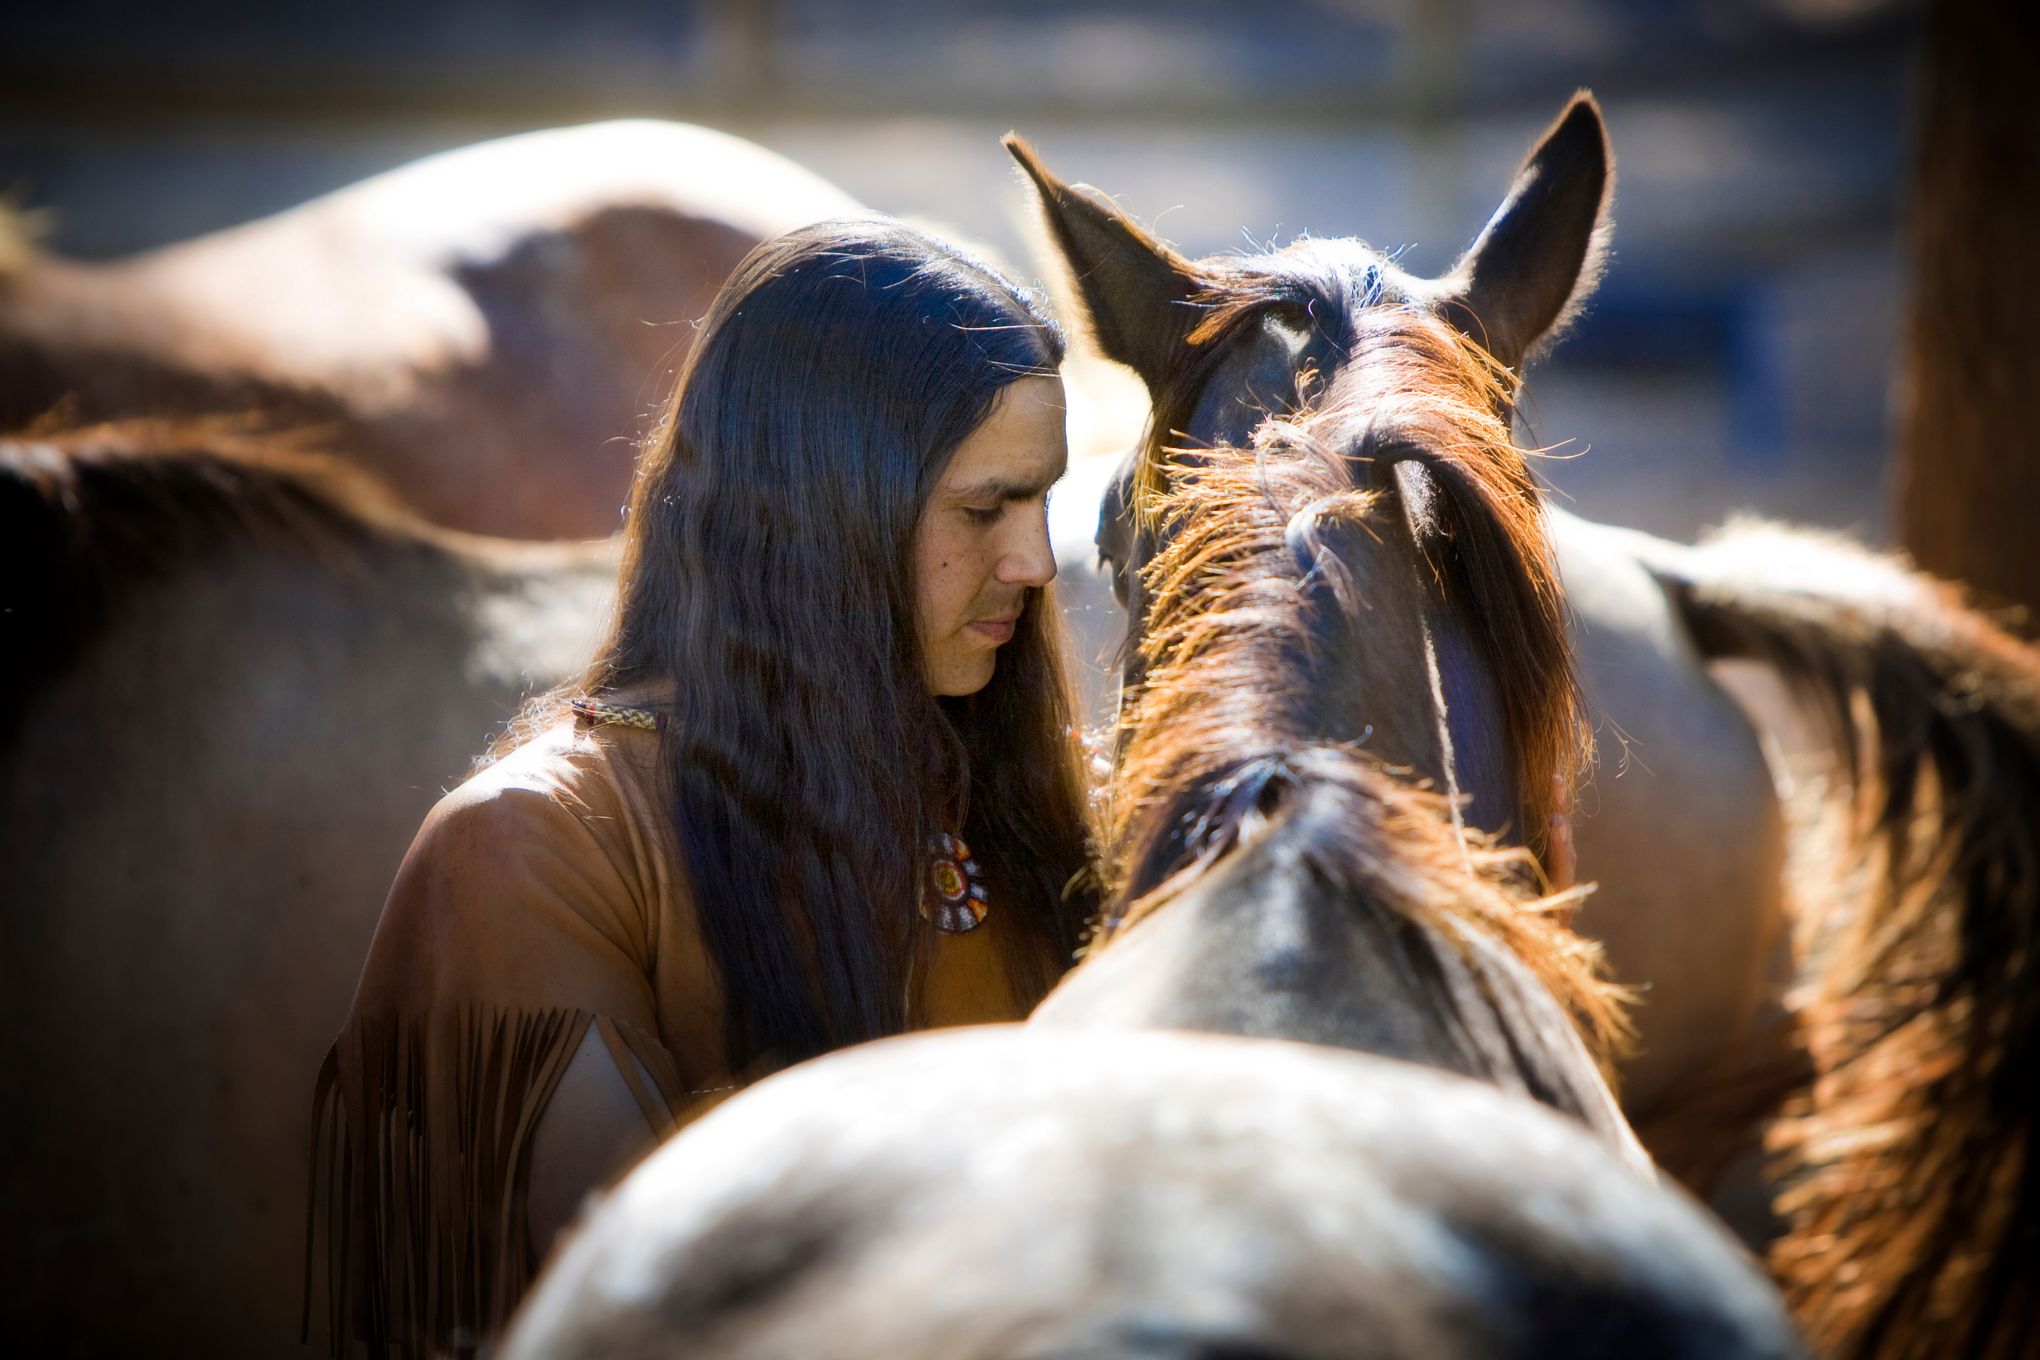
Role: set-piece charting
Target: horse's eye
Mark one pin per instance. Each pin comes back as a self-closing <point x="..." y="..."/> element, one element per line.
<point x="1115" y="572"/>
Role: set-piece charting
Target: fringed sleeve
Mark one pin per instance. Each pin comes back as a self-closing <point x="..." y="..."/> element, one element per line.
<point x="515" y="925"/>
<point x="423" y="1158"/>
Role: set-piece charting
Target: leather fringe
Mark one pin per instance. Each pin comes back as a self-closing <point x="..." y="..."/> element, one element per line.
<point x="420" y="1161"/>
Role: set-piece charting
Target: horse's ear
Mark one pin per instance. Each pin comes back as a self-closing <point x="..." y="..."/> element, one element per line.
<point x="1540" y="255"/>
<point x="1137" y="294"/>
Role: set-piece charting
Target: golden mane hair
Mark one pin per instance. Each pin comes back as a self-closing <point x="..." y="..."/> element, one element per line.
<point x="1433" y="395"/>
<point x="1233" y="593"/>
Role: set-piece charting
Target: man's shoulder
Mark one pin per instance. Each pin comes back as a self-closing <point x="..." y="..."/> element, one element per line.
<point x="521" y="880"/>
<point x="560" y="813"/>
<point x="560" y="773"/>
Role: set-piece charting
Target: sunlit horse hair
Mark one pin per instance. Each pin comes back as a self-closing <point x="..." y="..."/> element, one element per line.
<point x="1242" y="587"/>
<point x="1434" y="396"/>
<point x="1911" y="1166"/>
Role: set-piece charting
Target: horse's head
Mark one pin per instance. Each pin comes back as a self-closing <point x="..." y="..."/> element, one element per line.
<point x="1337" y="570"/>
<point x="1460" y="668"/>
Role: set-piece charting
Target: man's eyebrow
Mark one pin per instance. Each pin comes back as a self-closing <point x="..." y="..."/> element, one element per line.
<point x="1005" y="488"/>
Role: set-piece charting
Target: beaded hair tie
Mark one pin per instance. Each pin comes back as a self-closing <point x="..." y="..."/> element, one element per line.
<point x="953" y="897"/>
<point x="601" y="711"/>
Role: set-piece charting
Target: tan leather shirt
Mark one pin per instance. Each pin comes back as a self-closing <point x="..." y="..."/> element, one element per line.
<point x="549" y="880"/>
<point x="540" y="900"/>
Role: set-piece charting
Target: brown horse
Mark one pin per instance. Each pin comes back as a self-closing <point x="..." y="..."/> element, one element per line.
<point x="483" y="328"/>
<point x="1702" y="926"/>
<point x="1366" y="915"/>
<point x="998" y="1193"/>
<point x="1901" y="1233"/>
<point x="235" y="680"/>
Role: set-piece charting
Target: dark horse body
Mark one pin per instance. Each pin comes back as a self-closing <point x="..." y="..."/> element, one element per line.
<point x="484" y="329"/>
<point x="1909" y="1143"/>
<point x="234" y="682"/>
<point x="1090" y="1187"/>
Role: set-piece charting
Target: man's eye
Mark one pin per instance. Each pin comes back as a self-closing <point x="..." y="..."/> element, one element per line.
<point x="988" y="516"/>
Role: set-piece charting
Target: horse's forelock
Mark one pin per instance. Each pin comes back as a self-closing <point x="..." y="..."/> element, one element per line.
<point x="1415" y="388"/>
<point x="1308" y="279"/>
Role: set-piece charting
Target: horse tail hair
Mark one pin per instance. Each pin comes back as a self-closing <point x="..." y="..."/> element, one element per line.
<point x="1910" y="1183"/>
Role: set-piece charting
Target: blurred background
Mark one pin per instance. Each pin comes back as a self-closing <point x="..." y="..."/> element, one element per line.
<point x="1738" y="355"/>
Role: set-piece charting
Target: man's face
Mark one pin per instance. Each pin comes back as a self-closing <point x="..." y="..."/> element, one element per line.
<point x="982" y="541"/>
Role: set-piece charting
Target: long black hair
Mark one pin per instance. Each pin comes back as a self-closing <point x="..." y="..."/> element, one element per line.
<point x="769" y="575"/>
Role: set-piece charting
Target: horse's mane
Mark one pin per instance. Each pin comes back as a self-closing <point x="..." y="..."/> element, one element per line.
<point x="89" y="515"/>
<point x="1237" y="593"/>
<point x="1424" y="392"/>
<point x="1921" y="1005"/>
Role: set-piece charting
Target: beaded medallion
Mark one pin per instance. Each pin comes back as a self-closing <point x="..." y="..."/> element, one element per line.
<point x="953" y="899"/>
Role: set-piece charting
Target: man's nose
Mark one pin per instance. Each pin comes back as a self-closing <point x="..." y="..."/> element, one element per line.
<point x="1031" y="561"/>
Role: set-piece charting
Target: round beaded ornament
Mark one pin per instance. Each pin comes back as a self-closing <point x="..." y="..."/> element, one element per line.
<point x="953" y="899"/>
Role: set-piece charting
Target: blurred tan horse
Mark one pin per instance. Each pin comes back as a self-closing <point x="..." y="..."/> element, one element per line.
<point x="483" y="328"/>
<point x="999" y="1193"/>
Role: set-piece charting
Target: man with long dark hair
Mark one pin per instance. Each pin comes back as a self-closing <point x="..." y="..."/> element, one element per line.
<point x="819" y="785"/>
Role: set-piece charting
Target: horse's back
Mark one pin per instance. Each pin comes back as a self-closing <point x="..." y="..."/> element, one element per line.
<point x="1680" y="826"/>
<point x="488" y="328"/>
<point x="1006" y="1193"/>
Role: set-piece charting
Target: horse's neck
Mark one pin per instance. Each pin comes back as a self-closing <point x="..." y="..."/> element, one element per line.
<point x="115" y="338"/>
<point x="1268" y="946"/>
<point x="1408" y="681"/>
<point x="1263" y="948"/>
<point x="1474" y="758"/>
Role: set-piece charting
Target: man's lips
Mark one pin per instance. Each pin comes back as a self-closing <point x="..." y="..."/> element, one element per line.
<point x="996" y="630"/>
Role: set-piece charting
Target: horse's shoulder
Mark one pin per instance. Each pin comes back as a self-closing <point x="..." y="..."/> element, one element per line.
<point x="1646" y="682"/>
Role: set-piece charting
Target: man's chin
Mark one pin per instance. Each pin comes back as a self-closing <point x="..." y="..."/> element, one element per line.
<point x="965" y="678"/>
